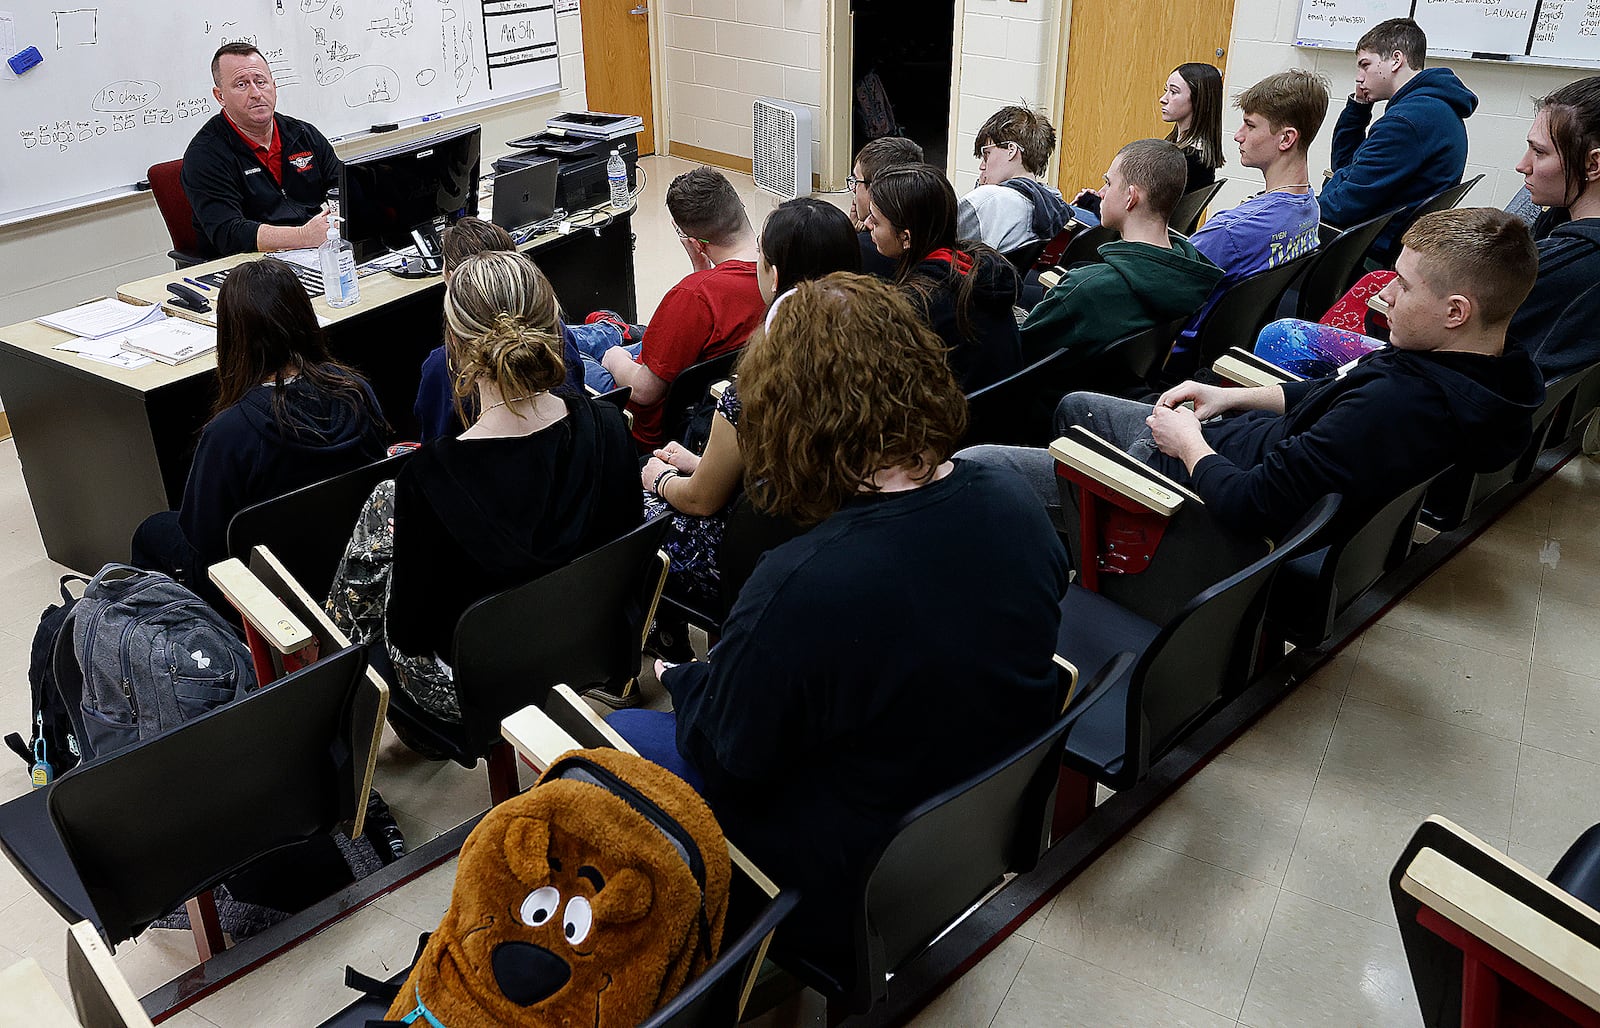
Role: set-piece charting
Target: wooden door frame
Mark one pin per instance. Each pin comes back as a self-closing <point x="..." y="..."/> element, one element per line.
<point x="836" y="92"/>
<point x="658" y="77"/>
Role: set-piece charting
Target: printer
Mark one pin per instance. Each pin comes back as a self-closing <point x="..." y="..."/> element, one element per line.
<point x="581" y="143"/>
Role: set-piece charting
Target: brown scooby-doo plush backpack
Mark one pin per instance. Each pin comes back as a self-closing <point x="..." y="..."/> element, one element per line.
<point x="590" y="899"/>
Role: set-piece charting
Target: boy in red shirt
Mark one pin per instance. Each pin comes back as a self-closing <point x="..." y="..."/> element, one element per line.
<point x="711" y="312"/>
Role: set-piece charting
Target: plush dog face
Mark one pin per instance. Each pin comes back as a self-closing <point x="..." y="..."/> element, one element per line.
<point x="569" y="909"/>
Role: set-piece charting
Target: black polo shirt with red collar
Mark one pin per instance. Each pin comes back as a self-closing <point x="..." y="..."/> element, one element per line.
<point x="233" y="193"/>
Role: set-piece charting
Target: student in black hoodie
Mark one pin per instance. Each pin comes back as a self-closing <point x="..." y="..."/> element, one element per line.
<point x="1445" y="393"/>
<point x="286" y="415"/>
<point x="878" y="156"/>
<point x="538" y="480"/>
<point x="1562" y="170"/>
<point x="965" y="290"/>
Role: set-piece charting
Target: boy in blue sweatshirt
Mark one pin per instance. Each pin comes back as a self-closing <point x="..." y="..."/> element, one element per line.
<point x="1417" y="149"/>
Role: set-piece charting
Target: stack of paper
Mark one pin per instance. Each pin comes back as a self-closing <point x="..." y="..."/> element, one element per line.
<point x="101" y="318"/>
<point x="172" y="342"/>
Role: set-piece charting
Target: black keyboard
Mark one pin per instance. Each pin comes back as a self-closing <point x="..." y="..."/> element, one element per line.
<point x="310" y="280"/>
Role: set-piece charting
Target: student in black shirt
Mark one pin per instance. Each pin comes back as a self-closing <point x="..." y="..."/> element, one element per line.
<point x="1191" y="101"/>
<point x="538" y="480"/>
<point x="287" y="415"/>
<point x="874" y="159"/>
<point x="895" y="649"/>
<point x="966" y="291"/>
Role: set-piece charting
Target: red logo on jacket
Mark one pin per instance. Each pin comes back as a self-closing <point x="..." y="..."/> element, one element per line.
<point x="301" y="161"/>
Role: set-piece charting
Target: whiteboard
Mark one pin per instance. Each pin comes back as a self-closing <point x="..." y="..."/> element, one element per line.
<point x="126" y="84"/>
<point x="1559" y="32"/>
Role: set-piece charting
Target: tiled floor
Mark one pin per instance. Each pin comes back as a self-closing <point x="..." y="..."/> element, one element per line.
<point x="1256" y="895"/>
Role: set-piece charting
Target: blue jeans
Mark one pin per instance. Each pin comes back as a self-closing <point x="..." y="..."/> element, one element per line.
<point x="654" y="734"/>
<point x="593" y="342"/>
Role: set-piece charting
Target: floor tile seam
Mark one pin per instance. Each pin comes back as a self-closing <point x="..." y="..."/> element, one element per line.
<point x="1223" y="867"/>
<point x="1146" y="985"/>
<point x="1437" y="720"/>
<point x="1452" y="642"/>
<point x="1256" y="965"/>
<point x="1343" y="909"/>
<point x="1423" y="633"/>
<point x="1001" y="1005"/>
<point x="1420" y="812"/>
<point x="1558" y="753"/>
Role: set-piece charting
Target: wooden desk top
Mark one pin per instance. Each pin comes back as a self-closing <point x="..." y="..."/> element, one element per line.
<point x="36" y="342"/>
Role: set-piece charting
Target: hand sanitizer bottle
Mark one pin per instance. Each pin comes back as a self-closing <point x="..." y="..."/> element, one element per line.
<point x="617" y="176"/>
<point x="338" y="260"/>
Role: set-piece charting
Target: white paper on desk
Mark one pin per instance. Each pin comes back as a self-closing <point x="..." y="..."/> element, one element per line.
<point x="306" y="258"/>
<point x="171" y="342"/>
<point x="107" y="347"/>
<point x="121" y="359"/>
<point x="100" y="318"/>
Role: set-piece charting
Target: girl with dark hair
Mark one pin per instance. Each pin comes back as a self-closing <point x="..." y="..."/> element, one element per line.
<point x="966" y="291"/>
<point x="538" y="480"/>
<point x="1192" y="102"/>
<point x="1561" y="169"/>
<point x="287" y="415"/>
<point x="893" y="650"/>
<point x="802" y="240"/>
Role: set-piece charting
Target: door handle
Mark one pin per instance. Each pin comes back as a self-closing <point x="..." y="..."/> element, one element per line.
<point x="641" y="9"/>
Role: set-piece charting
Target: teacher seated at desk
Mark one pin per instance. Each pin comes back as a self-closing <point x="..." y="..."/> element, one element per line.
<point x="255" y="178"/>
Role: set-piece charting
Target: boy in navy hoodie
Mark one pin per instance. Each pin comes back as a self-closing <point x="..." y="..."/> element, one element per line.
<point x="1416" y="150"/>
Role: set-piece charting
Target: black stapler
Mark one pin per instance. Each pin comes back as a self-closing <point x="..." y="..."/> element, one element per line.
<point x="188" y="299"/>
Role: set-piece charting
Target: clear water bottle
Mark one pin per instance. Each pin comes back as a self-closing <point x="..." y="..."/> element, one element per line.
<point x="617" y="176"/>
<point x="338" y="261"/>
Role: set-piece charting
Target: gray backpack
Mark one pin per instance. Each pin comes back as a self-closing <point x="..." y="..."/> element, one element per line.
<point x="140" y="654"/>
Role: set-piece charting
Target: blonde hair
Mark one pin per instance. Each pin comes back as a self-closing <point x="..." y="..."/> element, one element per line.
<point x="848" y="380"/>
<point x="1478" y="251"/>
<point x="502" y="325"/>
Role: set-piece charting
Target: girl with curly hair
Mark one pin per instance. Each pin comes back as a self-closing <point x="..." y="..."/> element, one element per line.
<point x="897" y="647"/>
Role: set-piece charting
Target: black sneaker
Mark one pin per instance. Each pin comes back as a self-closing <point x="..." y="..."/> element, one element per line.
<point x="380" y="827"/>
<point x="630" y="696"/>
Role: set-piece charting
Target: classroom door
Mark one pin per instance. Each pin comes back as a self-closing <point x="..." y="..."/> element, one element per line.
<point x="616" y="61"/>
<point x="1118" y="58"/>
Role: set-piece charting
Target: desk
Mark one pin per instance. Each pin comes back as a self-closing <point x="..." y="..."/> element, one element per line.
<point x="102" y="448"/>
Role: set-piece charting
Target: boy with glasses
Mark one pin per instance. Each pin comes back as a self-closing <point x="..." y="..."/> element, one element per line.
<point x="1011" y="207"/>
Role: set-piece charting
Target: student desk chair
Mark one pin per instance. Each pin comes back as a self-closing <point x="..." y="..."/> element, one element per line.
<point x="127" y="839"/>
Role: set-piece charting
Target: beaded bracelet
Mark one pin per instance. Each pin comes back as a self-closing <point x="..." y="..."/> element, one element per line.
<point x="656" y="487"/>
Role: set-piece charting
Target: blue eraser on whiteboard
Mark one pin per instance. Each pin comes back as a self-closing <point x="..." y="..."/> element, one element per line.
<point x="25" y="60"/>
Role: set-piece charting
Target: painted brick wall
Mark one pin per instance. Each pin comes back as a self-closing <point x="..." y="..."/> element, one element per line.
<point x="1005" y="50"/>
<point x="723" y="54"/>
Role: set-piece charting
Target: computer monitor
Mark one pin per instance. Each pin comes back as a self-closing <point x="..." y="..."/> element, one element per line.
<point x="422" y="185"/>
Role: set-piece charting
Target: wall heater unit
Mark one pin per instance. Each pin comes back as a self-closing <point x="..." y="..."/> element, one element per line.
<point x="782" y="152"/>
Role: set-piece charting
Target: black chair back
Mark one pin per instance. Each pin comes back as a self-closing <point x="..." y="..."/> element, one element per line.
<point x="1023" y="257"/>
<point x="712" y="1000"/>
<point x="162" y="821"/>
<point x="1336" y="267"/>
<point x="1128" y="367"/>
<point x="920" y="883"/>
<point x="1243" y="309"/>
<point x="1446" y="199"/>
<point x="688" y="397"/>
<point x="1050" y="255"/>
<point x="1185" y="217"/>
<point x="617" y="397"/>
<point x="582" y="625"/>
<point x="1313" y="589"/>
<point x="1002" y="412"/>
<point x="1085" y="246"/>
<point x="309" y="528"/>
<point x="1206" y="652"/>
<point x="1460" y="491"/>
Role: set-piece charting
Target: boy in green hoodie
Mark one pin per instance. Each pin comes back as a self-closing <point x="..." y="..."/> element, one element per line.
<point x="1148" y="277"/>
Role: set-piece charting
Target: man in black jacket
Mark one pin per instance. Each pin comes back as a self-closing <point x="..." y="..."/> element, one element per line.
<point x="1445" y="392"/>
<point x="255" y="178"/>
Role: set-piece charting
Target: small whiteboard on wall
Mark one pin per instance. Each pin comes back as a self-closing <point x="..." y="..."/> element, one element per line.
<point x="1565" y="33"/>
<point x="126" y="84"/>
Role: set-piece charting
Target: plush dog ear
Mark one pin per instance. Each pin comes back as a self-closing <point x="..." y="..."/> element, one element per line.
<point x="527" y="848"/>
<point x="627" y="897"/>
